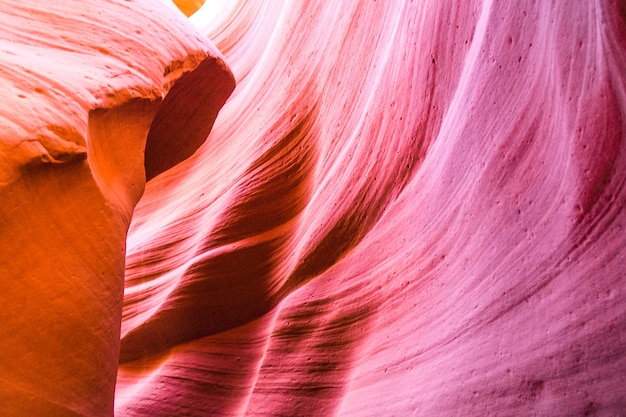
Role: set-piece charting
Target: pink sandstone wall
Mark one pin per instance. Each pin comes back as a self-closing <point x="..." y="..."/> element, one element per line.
<point x="404" y="208"/>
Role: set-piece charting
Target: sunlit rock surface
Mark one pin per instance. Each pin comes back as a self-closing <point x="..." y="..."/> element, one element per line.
<point x="189" y="7"/>
<point x="406" y="208"/>
<point x="83" y="86"/>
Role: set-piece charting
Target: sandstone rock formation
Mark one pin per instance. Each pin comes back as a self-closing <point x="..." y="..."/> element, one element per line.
<point x="404" y="208"/>
<point x="82" y="86"/>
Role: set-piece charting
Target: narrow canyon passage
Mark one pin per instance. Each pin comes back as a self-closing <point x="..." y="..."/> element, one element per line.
<point x="301" y="208"/>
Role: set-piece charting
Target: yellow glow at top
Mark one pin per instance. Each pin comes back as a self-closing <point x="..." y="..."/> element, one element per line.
<point x="188" y="7"/>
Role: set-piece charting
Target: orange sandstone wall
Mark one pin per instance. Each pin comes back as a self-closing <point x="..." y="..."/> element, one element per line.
<point x="83" y="85"/>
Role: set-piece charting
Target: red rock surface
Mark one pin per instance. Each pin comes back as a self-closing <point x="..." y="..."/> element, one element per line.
<point x="84" y="85"/>
<point x="405" y="208"/>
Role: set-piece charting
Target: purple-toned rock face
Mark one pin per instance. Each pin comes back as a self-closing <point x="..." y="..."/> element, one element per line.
<point x="405" y="208"/>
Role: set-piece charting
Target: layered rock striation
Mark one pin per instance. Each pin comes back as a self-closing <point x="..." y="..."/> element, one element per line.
<point x="404" y="208"/>
<point x="84" y="86"/>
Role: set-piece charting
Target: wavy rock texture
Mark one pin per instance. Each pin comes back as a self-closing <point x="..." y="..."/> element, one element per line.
<point x="406" y="208"/>
<point x="82" y="91"/>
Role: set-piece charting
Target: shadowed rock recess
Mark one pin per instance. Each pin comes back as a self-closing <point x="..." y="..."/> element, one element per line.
<point x="403" y="208"/>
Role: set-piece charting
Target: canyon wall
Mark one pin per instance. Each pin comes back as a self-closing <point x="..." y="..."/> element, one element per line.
<point x="403" y="208"/>
<point x="86" y="87"/>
